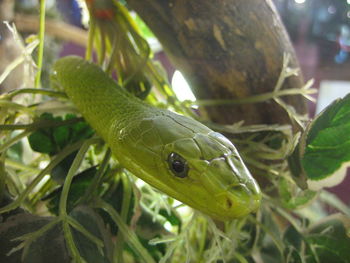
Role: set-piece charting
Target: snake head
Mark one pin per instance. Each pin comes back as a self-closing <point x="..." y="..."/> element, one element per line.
<point x="193" y="164"/>
<point x="221" y="185"/>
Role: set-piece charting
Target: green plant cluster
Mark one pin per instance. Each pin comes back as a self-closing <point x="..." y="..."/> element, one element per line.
<point x="64" y="198"/>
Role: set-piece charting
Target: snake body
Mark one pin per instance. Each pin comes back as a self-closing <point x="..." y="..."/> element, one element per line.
<point x="176" y="154"/>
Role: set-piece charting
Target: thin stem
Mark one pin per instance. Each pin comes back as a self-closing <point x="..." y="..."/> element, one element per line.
<point x="20" y="166"/>
<point x="64" y="197"/>
<point x="90" y="192"/>
<point x="15" y="106"/>
<point x="53" y="27"/>
<point x="334" y="201"/>
<point x="29" y="238"/>
<point x="202" y="241"/>
<point x="251" y="99"/>
<point x="68" y="237"/>
<point x="37" y="196"/>
<point x="75" y="166"/>
<point x="41" y="43"/>
<point x="128" y="234"/>
<point x="51" y="93"/>
<point x="282" y="76"/>
<point x="77" y="226"/>
<point x="13" y="140"/>
<point x="90" y="43"/>
<point x="2" y="176"/>
<point x="63" y="154"/>
<point x="102" y="49"/>
<point x="10" y="67"/>
<point x="127" y="194"/>
<point x="268" y="231"/>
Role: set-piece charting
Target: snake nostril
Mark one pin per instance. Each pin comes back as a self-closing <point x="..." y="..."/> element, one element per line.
<point x="229" y="203"/>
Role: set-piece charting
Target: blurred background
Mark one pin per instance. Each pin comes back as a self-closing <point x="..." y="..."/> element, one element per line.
<point x="320" y="33"/>
<point x="318" y="29"/>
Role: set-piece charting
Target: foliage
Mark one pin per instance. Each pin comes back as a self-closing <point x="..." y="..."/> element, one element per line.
<point x="61" y="190"/>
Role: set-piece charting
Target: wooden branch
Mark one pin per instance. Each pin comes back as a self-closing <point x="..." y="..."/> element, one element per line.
<point x="59" y="29"/>
<point x="226" y="49"/>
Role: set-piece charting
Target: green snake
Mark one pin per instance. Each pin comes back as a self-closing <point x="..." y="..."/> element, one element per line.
<point x="175" y="154"/>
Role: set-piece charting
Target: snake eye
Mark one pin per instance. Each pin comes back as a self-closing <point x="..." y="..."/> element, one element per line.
<point x="178" y="165"/>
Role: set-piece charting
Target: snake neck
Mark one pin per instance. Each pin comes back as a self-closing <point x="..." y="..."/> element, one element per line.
<point x="100" y="100"/>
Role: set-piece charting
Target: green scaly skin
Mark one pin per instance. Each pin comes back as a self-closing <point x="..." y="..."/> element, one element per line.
<point x="142" y="137"/>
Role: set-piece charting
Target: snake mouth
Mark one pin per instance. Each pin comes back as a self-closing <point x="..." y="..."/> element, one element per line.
<point x="235" y="191"/>
<point x="240" y="200"/>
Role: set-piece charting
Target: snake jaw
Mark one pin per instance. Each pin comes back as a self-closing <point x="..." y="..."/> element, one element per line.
<point x="234" y="191"/>
<point x="233" y="196"/>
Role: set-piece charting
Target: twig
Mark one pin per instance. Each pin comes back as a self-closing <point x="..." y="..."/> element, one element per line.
<point x="61" y="30"/>
<point x="41" y="43"/>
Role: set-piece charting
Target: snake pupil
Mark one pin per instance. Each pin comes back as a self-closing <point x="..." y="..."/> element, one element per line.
<point x="178" y="165"/>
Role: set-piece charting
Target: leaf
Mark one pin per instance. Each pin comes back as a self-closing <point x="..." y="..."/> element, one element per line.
<point x="330" y="241"/>
<point x="146" y="228"/>
<point x="114" y="196"/>
<point x="272" y="246"/>
<point x="60" y="171"/>
<point x="15" y="152"/>
<point x="143" y="28"/>
<point x="324" y="149"/>
<point x="49" y="247"/>
<point x="79" y="185"/>
<point x="93" y="224"/>
<point x="53" y="139"/>
<point x="61" y="135"/>
<point x="294" y="245"/>
<point x="138" y="85"/>
<point x="172" y="218"/>
<point x="292" y="197"/>
<point x="41" y="142"/>
<point x="293" y="237"/>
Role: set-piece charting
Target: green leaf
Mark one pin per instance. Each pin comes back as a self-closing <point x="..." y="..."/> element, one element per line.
<point x="61" y="135"/>
<point x="172" y="218"/>
<point x="53" y="139"/>
<point x="148" y="227"/>
<point x="272" y="246"/>
<point x="49" y="247"/>
<point x="41" y="142"/>
<point x="79" y="185"/>
<point x="60" y="171"/>
<point x="138" y="85"/>
<point x="144" y="29"/>
<point x="325" y="147"/>
<point x="114" y="196"/>
<point x="93" y="224"/>
<point x="330" y="241"/>
<point x="293" y="238"/>
<point x="293" y="197"/>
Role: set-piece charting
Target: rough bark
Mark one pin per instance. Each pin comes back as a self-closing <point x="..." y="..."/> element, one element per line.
<point x="226" y="49"/>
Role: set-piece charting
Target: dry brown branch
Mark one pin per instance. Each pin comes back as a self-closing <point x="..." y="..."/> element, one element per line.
<point x="59" y="29"/>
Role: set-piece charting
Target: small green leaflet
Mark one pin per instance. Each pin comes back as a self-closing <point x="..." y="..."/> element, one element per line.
<point x="329" y="240"/>
<point x="52" y="140"/>
<point x="325" y="147"/>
